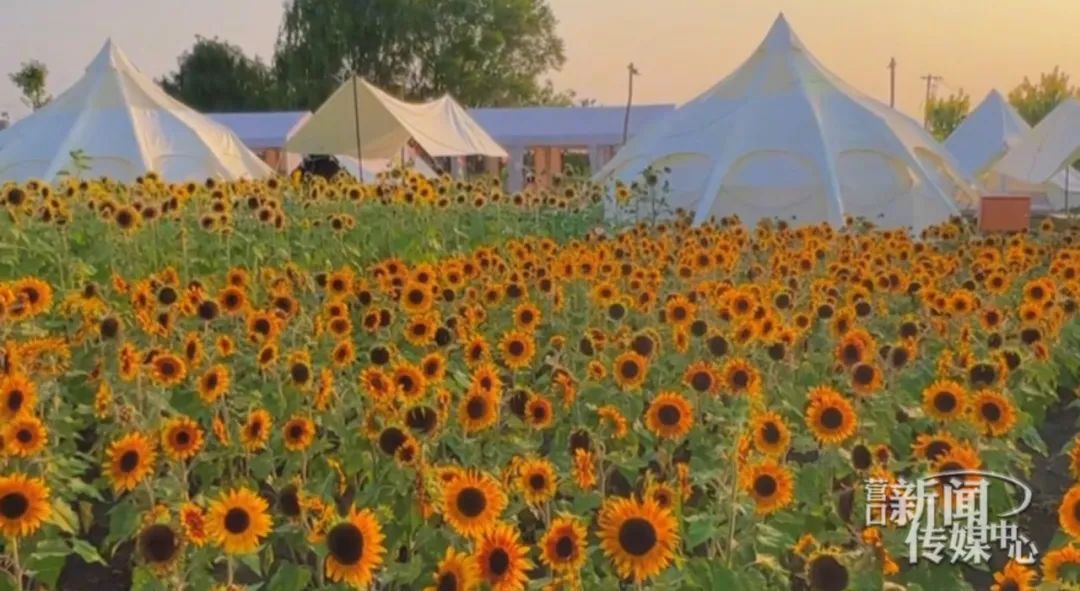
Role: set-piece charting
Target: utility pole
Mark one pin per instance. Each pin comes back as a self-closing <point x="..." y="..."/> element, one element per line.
<point x="632" y="71"/>
<point x="356" y="123"/>
<point x="892" y="82"/>
<point x="930" y="80"/>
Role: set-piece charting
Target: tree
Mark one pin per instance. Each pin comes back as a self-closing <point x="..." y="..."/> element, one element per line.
<point x="31" y="80"/>
<point x="484" y="52"/>
<point x="1035" y="101"/>
<point x="217" y="76"/>
<point x="943" y="115"/>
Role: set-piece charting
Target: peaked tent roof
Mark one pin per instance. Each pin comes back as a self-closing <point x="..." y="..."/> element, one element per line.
<point x="126" y="125"/>
<point x="386" y="124"/>
<point x="1047" y="149"/>
<point x="782" y="136"/>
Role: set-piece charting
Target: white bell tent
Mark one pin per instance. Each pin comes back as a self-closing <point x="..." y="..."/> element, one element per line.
<point x="985" y="136"/>
<point x="783" y="137"/>
<point x="125" y="125"/>
<point x="1043" y="154"/>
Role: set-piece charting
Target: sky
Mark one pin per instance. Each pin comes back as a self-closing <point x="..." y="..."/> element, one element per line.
<point x="681" y="47"/>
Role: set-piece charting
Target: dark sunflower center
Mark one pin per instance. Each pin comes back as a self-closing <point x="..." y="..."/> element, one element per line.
<point x="537" y="482"/>
<point x="642" y="345"/>
<point x="770" y="433"/>
<point x="183" y="437"/>
<point x="982" y="374"/>
<point x="447" y="582"/>
<point x="1076" y="511"/>
<point x="740" y="378"/>
<point x="827" y="574"/>
<point x="289" y="501"/>
<point x="937" y="448"/>
<point x="300" y="372"/>
<point x="945" y="401"/>
<point x="14" y="505"/>
<point x="237" y="521"/>
<point x="860" y="457"/>
<point x="476" y="407"/>
<point x="539" y="413"/>
<point x="516" y="348"/>
<point x="951" y="467"/>
<point x="390" y="440"/>
<point x="701" y="381"/>
<point x="637" y="536"/>
<point x="129" y="461"/>
<point x="851" y="354"/>
<point x="296" y="431"/>
<point x="15" y="400"/>
<point x="628" y="370"/>
<point x="765" y="485"/>
<point x="991" y="411"/>
<point x="211" y="381"/>
<point x="864" y="374"/>
<point x="526" y="317"/>
<point x="564" y="547"/>
<point x="346" y="543"/>
<point x="416" y="297"/>
<point x="421" y="419"/>
<point x="158" y="543"/>
<point x="1009" y="585"/>
<point x="499" y="562"/>
<point x="669" y="415"/>
<point x="832" y="418"/>
<point x="471" y="502"/>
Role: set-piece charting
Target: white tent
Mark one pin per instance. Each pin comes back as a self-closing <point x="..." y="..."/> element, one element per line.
<point x="1042" y="154"/>
<point x="985" y="135"/>
<point x="441" y="127"/>
<point x="783" y="137"/>
<point x="125" y="125"/>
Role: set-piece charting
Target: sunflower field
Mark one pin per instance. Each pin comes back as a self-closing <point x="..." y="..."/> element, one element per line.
<point x="434" y="385"/>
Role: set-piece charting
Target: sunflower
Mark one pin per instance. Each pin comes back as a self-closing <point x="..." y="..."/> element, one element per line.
<point x="17" y="394"/>
<point x="866" y="378"/>
<point x="739" y="376"/>
<point x="992" y="412"/>
<point x="24" y="436"/>
<point x="1014" y="577"/>
<point x="701" y="377"/>
<point x="538" y="412"/>
<point x="771" y="434"/>
<point x="256" y="431"/>
<point x="355" y="548"/>
<point x="477" y="411"/>
<point x="527" y="317"/>
<point x="409" y="381"/>
<point x="944" y="400"/>
<point x="237" y="521"/>
<point x="130" y="459"/>
<point x="669" y="415"/>
<point x="826" y="572"/>
<point x="181" y="438"/>
<point x="1069" y="512"/>
<point x="639" y="537"/>
<point x="502" y="558"/>
<point x="472" y="502"/>
<point x="213" y="384"/>
<point x="1067" y="557"/>
<point x="433" y="366"/>
<point x="930" y="447"/>
<point x="853" y="347"/>
<point x="960" y="458"/>
<point x="457" y="571"/>
<point x="420" y="330"/>
<point x="298" y="432"/>
<point x="517" y="349"/>
<point x="168" y="369"/>
<point x="564" y="546"/>
<point x="620" y="427"/>
<point x="24" y="504"/>
<point x="416" y="298"/>
<point x="159" y="546"/>
<point x="830" y="416"/>
<point x="630" y="370"/>
<point x="537" y="480"/>
<point x="422" y="419"/>
<point x="193" y="521"/>
<point x="770" y="485"/>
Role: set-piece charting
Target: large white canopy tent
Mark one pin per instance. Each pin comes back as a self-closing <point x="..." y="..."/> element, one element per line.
<point x="783" y="137"/>
<point x="385" y="125"/>
<point x="125" y="125"/>
<point x="1047" y="150"/>
<point x="985" y="136"/>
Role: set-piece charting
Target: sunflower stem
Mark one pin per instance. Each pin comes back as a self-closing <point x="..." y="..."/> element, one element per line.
<point x="230" y="570"/>
<point x="16" y="565"/>
<point x="734" y="491"/>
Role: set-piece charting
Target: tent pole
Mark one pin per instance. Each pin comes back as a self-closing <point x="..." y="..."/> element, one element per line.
<point x="1068" y="171"/>
<point x="356" y="122"/>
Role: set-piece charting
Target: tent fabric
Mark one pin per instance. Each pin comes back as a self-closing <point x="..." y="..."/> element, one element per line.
<point x="1047" y="149"/>
<point x="565" y="126"/>
<point x="264" y="130"/>
<point x="441" y="127"/>
<point x="783" y="137"/>
<point x="125" y="125"/>
<point x="985" y="136"/>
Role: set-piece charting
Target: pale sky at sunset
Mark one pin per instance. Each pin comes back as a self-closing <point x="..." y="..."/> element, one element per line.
<point x="681" y="46"/>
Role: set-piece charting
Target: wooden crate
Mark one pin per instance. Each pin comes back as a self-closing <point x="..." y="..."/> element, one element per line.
<point x="1004" y="213"/>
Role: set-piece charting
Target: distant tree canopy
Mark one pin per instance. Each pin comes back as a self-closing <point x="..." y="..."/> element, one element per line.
<point x="483" y="52"/>
<point x="1035" y="100"/>
<point x="31" y="79"/>
<point x="943" y="115"/>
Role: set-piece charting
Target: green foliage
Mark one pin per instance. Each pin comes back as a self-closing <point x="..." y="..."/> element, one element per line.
<point x="1035" y="100"/>
<point x="31" y="79"/>
<point x="215" y="75"/>
<point x="943" y="115"/>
